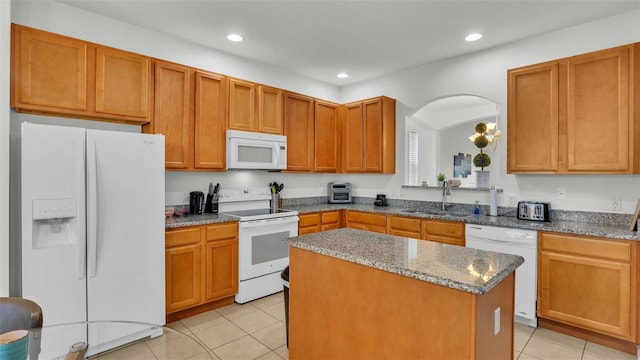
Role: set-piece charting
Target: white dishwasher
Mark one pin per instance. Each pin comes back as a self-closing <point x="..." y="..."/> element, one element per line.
<point x="515" y="242"/>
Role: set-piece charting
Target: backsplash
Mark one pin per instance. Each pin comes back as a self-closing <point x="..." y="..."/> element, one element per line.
<point x="600" y="218"/>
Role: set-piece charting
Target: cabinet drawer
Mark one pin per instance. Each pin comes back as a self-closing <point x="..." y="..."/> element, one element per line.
<point x="178" y="237"/>
<point x="309" y="220"/>
<point x="366" y="218"/>
<point x="223" y="231"/>
<point x="330" y="217"/>
<point x="445" y="228"/>
<point x="619" y="250"/>
<point x="405" y="224"/>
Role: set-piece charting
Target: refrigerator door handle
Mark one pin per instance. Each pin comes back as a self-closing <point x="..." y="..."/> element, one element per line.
<point x="92" y="208"/>
<point x="82" y="245"/>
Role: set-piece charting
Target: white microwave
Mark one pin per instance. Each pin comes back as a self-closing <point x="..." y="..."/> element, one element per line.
<point x="252" y="150"/>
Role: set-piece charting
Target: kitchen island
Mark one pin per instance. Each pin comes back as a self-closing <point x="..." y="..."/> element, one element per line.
<point x="357" y="294"/>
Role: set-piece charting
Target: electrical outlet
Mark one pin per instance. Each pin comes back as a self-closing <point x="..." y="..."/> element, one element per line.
<point x="512" y="200"/>
<point x="561" y="193"/>
<point x="616" y="205"/>
<point x="496" y="321"/>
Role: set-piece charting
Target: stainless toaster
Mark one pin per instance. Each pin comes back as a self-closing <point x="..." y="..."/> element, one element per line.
<point x="534" y="210"/>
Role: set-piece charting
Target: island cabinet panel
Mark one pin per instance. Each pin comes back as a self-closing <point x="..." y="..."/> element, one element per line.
<point x="449" y="232"/>
<point x="172" y="116"/>
<point x="58" y="75"/>
<point x="589" y="283"/>
<point x="242" y="105"/>
<point x="270" y="110"/>
<point x="371" y="318"/>
<point x="201" y="268"/>
<point x="366" y="221"/>
<point x="209" y="121"/>
<point x="576" y="115"/>
<point x="183" y="267"/>
<point x="368" y="136"/>
<point x="299" y="129"/>
<point x="326" y="137"/>
<point x="404" y="226"/>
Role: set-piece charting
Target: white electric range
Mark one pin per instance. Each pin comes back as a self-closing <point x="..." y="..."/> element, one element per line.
<point x="262" y="255"/>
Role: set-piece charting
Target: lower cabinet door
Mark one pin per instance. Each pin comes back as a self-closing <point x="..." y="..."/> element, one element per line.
<point x="221" y="268"/>
<point x="183" y="277"/>
<point x="591" y="293"/>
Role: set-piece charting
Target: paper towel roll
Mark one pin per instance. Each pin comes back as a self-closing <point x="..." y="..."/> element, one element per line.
<point x="493" y="201"/>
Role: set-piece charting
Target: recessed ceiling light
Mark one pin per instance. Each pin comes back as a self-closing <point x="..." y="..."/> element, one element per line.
<point x="473" y="37"/>
<point x="343" y="75"/>
<point x="234" y="37"/>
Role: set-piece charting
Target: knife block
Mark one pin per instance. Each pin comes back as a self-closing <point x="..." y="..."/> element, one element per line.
<point x="211" y="205"/>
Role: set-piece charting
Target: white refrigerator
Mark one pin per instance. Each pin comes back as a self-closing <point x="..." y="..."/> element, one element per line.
<point x="92" y="232"/>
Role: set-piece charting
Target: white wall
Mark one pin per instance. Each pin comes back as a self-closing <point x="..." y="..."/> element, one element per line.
<point x="5" y="47"/>
<point x="484" y="74"/>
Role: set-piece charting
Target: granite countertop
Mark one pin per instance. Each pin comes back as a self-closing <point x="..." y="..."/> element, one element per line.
<point x="571" y="227"/>
<point x="452" y="266"/>
<point x="194" y="220"/>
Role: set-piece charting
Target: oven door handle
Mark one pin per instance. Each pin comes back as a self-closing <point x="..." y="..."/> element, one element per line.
<point x="268" y="222"/>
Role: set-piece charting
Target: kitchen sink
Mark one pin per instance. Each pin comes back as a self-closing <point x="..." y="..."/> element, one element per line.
<point x="436" y="212"/>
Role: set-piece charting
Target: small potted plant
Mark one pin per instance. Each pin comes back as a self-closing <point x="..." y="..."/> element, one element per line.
<point x="441" y="179"/>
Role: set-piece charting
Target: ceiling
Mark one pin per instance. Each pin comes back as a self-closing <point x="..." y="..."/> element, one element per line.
<point x="366" y="39"/>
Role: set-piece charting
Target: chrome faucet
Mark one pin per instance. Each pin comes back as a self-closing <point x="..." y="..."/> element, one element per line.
<point x="445" y="191"/>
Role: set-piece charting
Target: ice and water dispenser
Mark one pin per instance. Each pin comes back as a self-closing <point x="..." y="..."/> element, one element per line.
<point x="55" y="222"/>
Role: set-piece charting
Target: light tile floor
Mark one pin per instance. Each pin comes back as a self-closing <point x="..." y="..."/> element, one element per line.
<point x="256" y="330"/>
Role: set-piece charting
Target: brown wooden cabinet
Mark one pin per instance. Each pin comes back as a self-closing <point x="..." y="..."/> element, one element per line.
<point x="221" y="251"/>
<point x="201" y="267"/>
<point x="326" y="137"/>
<point x="270" y="112"/>
<point x="190" y="110"/>
<point x="172" y="115"/>
<point x="576" y="115"/>
<point x="299" y="129"/>
<point x="405" y="226"/>
<point x="448" y="232"/>
<point x="366" y="221"/>
<point x="209" y="121"/>
<point x="589" y="283"/>
<point x="242" y="105"/>
<point x="368" y="136"/>
<point x="58" y="75"/>
<point x="319" y="221"/>
<point x="183" y="267"/>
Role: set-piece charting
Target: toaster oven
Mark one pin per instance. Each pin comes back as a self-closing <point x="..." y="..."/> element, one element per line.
<point x="339" y="192"/>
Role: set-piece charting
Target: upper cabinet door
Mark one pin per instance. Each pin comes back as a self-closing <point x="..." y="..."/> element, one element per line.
<point x="298" y="127"/>
<point x="353" y="138"/>
<point x="532" y="128"/>
<point x="49" y="71"/>
<point x="326" y="137"/>
<point x="172" y="115"/>
<point x="210" y="121"/>
<point x="599" y="111"/>
<point x="372" y="117"/>
<point x="242" y="105"/>
<point x="270" y="113"/>
<point x="122" y="83"/>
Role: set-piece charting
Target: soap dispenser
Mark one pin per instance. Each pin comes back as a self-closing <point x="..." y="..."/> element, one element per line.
<point x="476" y="209"/>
